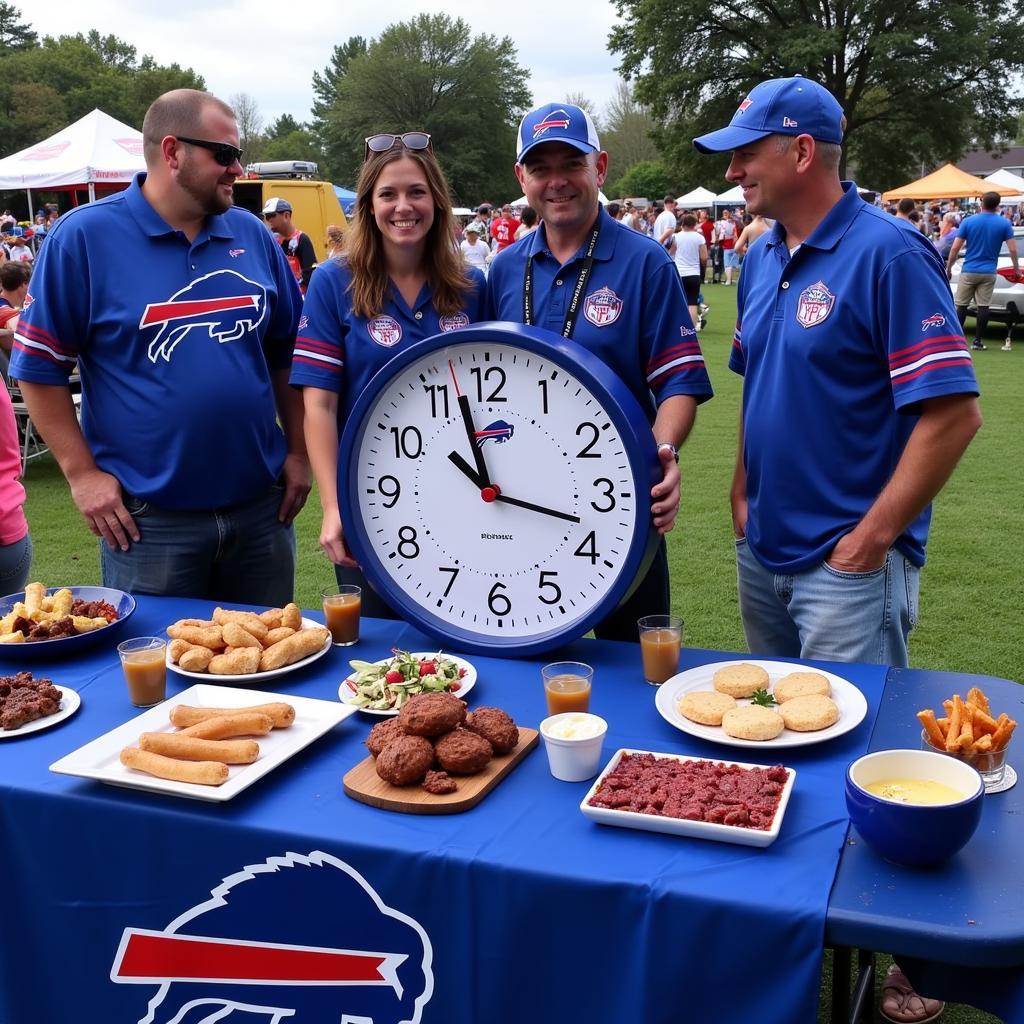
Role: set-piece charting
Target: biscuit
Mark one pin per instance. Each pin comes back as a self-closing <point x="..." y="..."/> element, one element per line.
<point x="706" y="706"/>
<point x="741" y="680"/>
<point x="752" y="723"/>
<point x="800" y="684"/>
<point x="809" y="713"/>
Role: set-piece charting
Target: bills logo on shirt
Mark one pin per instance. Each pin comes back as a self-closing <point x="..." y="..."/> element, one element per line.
<point x="935" y="320"/>
<point x="303" y="322"/>
<point x="385" y="330"/>
<point x="234" y="253"/>
<point x="602" y="307"/>
<point x="453" y="323"/>
<point x="814" y="305"/>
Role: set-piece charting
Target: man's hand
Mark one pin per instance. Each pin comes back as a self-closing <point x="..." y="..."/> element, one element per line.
<point x="332" y="541"/>
<point x="740" y="512"/>
<point x="297" y="484"/>
<point x="99" y="498"/>
<point x="851" y="554"/>
<point x="665" y="495"/>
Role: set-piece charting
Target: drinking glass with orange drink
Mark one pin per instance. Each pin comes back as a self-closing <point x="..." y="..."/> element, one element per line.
<point x="567" y="686"/>
<point x="660" y="639"/>
<point x="342" y="608"/>
<point x="145" y="669"/>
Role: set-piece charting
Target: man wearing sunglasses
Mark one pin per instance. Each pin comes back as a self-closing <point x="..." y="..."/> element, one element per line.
<point x="183" y="332"/>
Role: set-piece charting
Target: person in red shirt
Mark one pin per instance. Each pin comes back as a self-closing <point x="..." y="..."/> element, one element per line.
<point x="503" y="230"/>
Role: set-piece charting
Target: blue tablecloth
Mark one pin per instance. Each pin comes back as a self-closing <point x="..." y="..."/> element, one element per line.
<point x="529" y="908"/>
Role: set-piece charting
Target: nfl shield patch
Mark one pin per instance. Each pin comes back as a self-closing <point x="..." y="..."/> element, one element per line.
<point x="602" y="307"/>
<point x="814" y="305"/>
<point x="385" y="330"/>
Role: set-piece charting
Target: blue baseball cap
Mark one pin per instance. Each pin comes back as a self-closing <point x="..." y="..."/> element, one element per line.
<point x="557" y="122"/>
<point x="781" y="106"/>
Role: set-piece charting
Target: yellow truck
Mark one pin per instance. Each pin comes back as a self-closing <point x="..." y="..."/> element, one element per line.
<point x="314" y="203"/>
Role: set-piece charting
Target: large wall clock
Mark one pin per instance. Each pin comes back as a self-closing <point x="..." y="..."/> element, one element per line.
<point x="494" y="484"/>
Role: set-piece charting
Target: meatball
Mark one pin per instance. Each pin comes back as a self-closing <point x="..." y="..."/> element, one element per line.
<point x="462" y="752"/>
<point x="496" y="726"/>
<point x="406" y="760"/>
<point x="382" y="734"/>
<point x="430" y="714"/>
<point x="439" y="783"/>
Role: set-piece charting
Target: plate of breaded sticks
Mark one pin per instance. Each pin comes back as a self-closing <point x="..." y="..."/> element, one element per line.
<point x="757" y="703"/>
<point x="245" y="647"/>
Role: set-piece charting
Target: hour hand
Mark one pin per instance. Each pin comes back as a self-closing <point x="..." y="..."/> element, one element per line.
<point x="465" y="468"/>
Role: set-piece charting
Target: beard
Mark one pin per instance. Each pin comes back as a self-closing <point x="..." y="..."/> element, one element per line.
<point x="207" y="195"/>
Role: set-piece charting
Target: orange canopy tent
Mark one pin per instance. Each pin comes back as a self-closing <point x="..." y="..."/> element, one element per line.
<point x="948" y="182"/>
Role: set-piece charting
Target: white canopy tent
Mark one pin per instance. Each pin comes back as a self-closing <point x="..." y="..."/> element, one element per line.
<point x="733" y="197"/>
<point x="699" y="197"/>
<point x="1007" y="179"/>
<point x="95" y="150"/>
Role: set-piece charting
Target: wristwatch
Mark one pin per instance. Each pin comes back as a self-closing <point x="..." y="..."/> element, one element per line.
<point x="671" y="447"/>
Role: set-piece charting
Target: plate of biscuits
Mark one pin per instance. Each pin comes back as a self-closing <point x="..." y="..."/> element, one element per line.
<point x="757" y="703"/>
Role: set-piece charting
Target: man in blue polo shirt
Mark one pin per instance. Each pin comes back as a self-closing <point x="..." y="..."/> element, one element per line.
<point x="858" y="393"/>
<point x="180" y="313"/>
<point x="630" y="309"/>
<point x="984" y="234"/>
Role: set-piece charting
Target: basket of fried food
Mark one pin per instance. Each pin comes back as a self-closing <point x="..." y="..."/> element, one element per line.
<point x="245" y="644"/>
<point x="969" y="731"/>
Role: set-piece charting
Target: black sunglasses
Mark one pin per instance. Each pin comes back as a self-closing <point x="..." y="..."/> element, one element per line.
<point x="385" y="141"/>
<point x="223" y="153"/>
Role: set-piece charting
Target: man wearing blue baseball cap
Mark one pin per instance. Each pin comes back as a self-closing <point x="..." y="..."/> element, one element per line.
<point x="588" y="277"/>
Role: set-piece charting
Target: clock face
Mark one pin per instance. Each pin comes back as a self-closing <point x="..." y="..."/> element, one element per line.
<point x="496" y="494"/>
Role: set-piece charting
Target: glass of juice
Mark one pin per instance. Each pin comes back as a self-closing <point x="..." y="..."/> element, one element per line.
<point x="660" y="639"/>
<point x="342" y="606"/>
<point x="567" y="686"/>
<point x="145" y="670"/>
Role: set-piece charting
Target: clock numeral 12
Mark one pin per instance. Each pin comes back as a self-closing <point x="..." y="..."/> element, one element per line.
<point x="481" y="376"/>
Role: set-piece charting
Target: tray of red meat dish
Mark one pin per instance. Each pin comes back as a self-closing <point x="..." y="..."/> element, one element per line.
<point x="727" y="801"/>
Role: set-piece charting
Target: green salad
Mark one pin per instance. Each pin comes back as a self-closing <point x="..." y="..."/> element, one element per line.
<point x="386" y="686"/>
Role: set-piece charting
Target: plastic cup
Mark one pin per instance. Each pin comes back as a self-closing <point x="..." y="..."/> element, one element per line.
<point x="567" y="686"/>
<point x="342" y="607"/>
<point x="660" y="639"/>
<point x="145" y="669"/>
<point x="990" y="764"/>
<point x="573" y="741"/>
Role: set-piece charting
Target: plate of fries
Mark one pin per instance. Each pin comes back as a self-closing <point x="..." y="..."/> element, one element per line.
<point x="49" y="605"/>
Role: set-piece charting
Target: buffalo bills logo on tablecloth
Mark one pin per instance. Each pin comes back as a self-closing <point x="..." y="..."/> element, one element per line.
<point x="814" y="305"/>
<point x="385" y="330"/>
<point x="935" y="320"/>
<point x="297" y="939"/>
<point x="222" y="306"/>
<point x="453" y="323"/>
<point x="602" y="307"/>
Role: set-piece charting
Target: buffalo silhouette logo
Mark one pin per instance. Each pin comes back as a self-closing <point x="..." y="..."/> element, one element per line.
<point x="222" y="305"/>
<point x="302" y="939"/>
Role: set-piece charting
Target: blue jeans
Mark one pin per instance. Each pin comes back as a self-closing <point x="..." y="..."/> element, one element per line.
<point x="15" y="560"/>
<point x="827" y="614"/>
<point x="236" y="555"/>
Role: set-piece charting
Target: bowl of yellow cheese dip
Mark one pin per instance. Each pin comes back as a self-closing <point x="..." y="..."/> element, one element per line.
<point x="913" y="807"/>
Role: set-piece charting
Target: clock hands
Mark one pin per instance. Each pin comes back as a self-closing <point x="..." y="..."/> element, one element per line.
<point x="467" y="420"/>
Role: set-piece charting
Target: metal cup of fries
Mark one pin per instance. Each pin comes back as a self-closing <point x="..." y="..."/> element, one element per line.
<point x="970" y="732"/>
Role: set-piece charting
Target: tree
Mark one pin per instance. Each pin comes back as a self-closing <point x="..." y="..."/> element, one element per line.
<point x="250" y="126"/>
<point x="577" y="99"/>
<point x="918" y="80"/>
<point x="648" y="178"/>
<point x="284" y="125"/>
<point x="429" y="74"/>
<point x="14" y="33"/>
<point x="325" y="84"/>
<point x="626" y="135"/>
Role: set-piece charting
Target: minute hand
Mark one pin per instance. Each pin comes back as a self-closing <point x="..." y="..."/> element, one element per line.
<point x="537" y="508"/>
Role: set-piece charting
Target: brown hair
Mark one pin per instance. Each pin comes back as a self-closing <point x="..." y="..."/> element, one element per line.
<point x="178" y="112"/>
<point x="365" y="257"/>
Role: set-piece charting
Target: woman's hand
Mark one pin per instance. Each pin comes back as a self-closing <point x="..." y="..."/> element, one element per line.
<point x="333" y="541"/>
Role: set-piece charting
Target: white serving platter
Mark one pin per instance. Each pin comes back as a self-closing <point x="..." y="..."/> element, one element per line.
<point x="100" y="759"/>
<point x="681" y="826"/>
<point x="466" y="683"/>
<point x="850" y="701"/>
<point x="69" y="704"/>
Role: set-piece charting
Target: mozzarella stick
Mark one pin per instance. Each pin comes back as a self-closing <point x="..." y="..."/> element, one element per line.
<point x="188" y="748"/>
<point x="280" y="713"/>
<point x="223" y="727"/>
<point x="204" y="773"/>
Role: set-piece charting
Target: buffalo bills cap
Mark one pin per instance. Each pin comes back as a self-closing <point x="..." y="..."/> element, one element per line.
<point x="557" y="122"/>
<point x="277" y="205"/>
<point x="781" y="106"/>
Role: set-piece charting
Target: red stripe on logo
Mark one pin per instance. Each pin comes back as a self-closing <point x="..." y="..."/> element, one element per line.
<point x="161" y="312"/>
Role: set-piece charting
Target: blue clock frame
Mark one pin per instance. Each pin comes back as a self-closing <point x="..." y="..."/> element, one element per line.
<point x="622" y="409"/>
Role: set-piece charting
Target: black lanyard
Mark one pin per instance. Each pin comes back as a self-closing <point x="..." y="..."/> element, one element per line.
<point x="574" y="305"/>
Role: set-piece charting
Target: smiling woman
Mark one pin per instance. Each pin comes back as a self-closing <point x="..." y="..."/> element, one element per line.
<point x="401" y="280"/>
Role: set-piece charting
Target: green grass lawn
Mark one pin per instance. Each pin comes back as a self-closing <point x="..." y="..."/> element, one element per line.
<point x="971" y="592"/>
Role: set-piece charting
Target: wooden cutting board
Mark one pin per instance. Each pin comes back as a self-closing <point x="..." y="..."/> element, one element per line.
<point x="364" y="784"/>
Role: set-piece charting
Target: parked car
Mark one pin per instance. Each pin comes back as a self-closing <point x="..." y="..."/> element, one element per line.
<point x="1007" y="305"/>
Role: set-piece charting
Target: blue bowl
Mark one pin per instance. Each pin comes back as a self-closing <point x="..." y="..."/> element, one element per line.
<point x="916" y="835"/>
<point x="124" y="603"/>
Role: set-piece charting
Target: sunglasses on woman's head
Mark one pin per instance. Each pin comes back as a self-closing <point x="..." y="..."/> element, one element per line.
<point x="385" y="141"/>
<point x="223" y="153"/>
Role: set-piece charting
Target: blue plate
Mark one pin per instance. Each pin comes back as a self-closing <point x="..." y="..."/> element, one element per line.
<point x="124" y="603"/>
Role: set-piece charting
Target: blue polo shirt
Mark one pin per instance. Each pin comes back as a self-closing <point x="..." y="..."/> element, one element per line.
<point x="633" y="315"/>
<point x="983" y="235"/>
<point x="838" y="345"/>
<point x="337" y="350"/>
<point x="175" y="341"/>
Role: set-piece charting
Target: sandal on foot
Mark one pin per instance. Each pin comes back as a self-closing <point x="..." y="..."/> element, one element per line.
<point x="902" y="1005"/>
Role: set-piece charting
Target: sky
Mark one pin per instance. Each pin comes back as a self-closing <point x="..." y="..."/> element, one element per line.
<point x="270" y="50"/>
